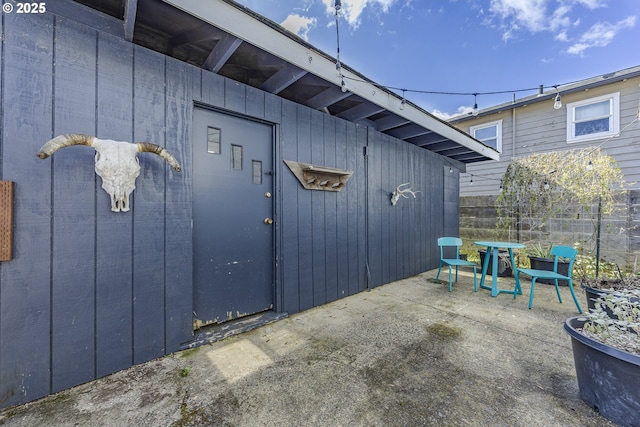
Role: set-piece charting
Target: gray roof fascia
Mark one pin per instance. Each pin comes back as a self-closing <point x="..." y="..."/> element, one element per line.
<point x="242" y="23"/>
<point x="580" y="86"/>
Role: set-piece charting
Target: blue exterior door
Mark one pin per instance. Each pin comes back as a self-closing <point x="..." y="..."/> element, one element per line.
<point x="232" y="217"/>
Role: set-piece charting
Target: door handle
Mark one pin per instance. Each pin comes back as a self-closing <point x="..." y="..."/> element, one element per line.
<point x="268" y="221"/>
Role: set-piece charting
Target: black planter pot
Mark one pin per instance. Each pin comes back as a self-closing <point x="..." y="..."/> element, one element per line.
<point x="593" y="294"/>
<point x="608" y="378"/>
<point x="504" y="266"/>
<point x="546" y="264"/>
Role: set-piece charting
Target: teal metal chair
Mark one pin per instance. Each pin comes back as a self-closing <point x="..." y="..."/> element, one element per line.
<point x="450" y="242"/>
<point x="557" y="252"/>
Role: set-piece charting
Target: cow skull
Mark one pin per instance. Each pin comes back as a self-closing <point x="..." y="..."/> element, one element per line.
<point x="395" y="196"/>
<point x="116" y="163"/>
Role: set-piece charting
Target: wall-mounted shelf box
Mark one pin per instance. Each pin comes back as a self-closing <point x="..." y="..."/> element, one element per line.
<point x="314" y="177"/>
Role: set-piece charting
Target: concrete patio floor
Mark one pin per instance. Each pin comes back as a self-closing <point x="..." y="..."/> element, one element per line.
<point x="405" y="354"/>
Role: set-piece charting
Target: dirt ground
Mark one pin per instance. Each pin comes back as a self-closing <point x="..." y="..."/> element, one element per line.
<point x="405" y="354"/>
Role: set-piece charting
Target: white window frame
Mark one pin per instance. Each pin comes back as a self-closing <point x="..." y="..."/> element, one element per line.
<point x="614" y="118"/>
<point x="497" y="124"/>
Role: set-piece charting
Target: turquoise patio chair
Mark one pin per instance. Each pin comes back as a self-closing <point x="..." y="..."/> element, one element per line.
<point x="450" y="242"/>
<point x="557" y="252"/>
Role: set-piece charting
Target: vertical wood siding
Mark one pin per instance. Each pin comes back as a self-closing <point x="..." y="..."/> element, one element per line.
<point x="74" y="209"/>
<point x="401" y="238"/>
<point x="148" y="210"/>
<point x="25" y="288"/>
<point x="90" y="291"/>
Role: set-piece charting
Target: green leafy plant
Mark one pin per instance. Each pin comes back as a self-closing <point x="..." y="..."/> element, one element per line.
<point x="621" y="328"/>
<point x="574" y="186"/>
<point x="539" y="251"/>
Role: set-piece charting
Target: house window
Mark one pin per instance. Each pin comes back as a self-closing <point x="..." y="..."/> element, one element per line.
<point x="489" y="133"/>
<point x="593" y="118"/>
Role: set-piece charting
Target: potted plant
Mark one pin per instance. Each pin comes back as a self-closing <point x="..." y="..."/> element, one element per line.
<point x="540" y="258"/>
<point x="606" y="279"/>
<point x="600" y="287"/>
<point x="606" y="352"/>
<point x="504" y="263"/>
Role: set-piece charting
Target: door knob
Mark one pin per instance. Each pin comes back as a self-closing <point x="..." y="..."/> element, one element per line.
<point x="268" y="221"/>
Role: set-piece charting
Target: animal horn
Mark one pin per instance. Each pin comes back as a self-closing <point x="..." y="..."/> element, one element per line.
<point x="147" y="147"/>
<point x="62" y="141"/>
<point x="402" y="185"/>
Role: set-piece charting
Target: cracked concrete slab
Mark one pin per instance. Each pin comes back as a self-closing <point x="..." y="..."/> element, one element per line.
<point x="405" y="354"/>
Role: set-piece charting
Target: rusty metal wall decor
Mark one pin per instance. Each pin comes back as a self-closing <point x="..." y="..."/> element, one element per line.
<point x="6" y="220"/>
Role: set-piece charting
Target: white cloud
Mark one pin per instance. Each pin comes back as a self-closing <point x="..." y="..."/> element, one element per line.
<point x="353" y="9"/>
<point x="463" y="109"/>
<point x="538" y="15"/>
<point x="529" y="14"/>
<point x="593" y="4"/>
<point x="600" y="35"/>
<point x="299" y="25"/>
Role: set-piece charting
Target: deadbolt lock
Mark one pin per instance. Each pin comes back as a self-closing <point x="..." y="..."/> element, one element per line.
<point x="267" y="195"/>
<point x="268" y="221"/>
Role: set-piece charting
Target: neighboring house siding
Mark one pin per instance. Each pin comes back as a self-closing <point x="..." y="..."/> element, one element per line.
<point x="90" y="291"/>
<point x="539" y="128"/>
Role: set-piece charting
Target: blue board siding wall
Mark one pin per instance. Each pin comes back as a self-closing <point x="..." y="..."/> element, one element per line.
<point x="401" y="238"/>
<point x="89" y="291"/>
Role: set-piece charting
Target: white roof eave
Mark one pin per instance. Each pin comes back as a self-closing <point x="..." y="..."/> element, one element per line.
<point x="246" y="27"/>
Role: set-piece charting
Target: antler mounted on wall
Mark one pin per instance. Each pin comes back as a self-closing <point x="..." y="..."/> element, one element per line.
<point x="395" y="196"/>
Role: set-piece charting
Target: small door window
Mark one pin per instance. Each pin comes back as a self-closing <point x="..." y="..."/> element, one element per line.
<point x="236" y="157"/>
<point x="256" y="169"/>
<point x="213" y="140"/>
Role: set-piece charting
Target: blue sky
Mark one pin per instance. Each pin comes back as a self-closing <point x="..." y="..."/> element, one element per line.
<point x="469" y="46"/>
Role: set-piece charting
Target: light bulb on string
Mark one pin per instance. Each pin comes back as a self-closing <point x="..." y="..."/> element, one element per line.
<point x="343" y="86"/>
<point x="546" y="185"/>
<point x="471" y="180"/>
<point x="403" y="102"/>
<point x="474" y="112"/>
<point x="590" y="165"/>
<point x="450" y="169"/>
<point x="557" y="103"/>
<point x="338" y="68"/>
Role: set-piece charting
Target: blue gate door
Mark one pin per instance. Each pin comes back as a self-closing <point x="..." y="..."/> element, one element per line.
<point x="232" y="217"/>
